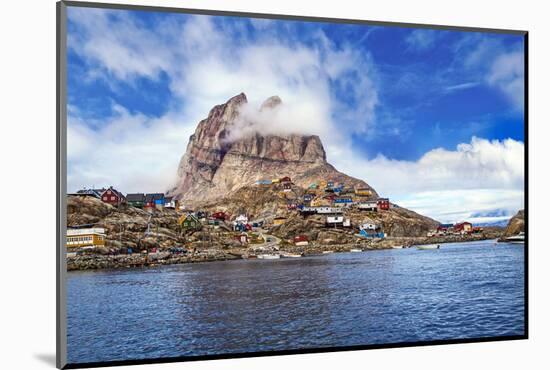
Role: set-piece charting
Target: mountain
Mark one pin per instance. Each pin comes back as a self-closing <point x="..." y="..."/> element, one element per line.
<point x="515" y="225"/>
<point x="219" y="160"/>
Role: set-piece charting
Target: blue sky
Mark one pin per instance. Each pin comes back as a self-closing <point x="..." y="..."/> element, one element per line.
<point x="432" y="107"/>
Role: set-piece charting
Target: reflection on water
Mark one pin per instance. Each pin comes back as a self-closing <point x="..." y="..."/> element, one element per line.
<point x="468" y="290"/>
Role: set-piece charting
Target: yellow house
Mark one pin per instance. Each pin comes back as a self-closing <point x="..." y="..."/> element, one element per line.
<point x="279" y="220"/>
<point x="90" y="237"/>
<point x="363" y="192"/>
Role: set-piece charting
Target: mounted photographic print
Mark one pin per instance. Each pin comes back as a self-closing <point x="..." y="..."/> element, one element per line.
<point x="234" y="184"/>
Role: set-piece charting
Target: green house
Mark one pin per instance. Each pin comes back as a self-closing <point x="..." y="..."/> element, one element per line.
<point x="189" y="222"/>
<point x="136" y="199"/>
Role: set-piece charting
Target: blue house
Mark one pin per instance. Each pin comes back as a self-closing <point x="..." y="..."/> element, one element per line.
<point x="343" y="200"/>
<point x="367" y="234"/>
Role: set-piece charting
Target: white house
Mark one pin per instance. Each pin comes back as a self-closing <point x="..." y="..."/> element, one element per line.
<point x="368" y="226"/>
<point x="241" y="219"/>
<point x="329" y="210"/>
<point x="370" y="205"/>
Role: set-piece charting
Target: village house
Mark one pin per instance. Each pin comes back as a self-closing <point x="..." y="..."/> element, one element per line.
<point x="95" y="193"/>
<point x="343" y="201"/>
<point x="86" y="238"/>
<point x="242" y="218"/>
<point x="279" y="220"/>
<point x="301" y="240"/>
<point x="285" y="180"/>
<point x="287" y="186"/>
<point x="463" y="228"/>
<point x="189" y="222"/>
<point x="370" y="205"/>
<point x="307" y="199"/>
<point x="371" y="234"/>
<point x="258" y="223"/>
<point x="220" y="215"/>
<point x="338" y="220"/>
<point x="383" y="204"/>
<point x="368" y="225"/>
<point x="321" y="202"/>
<point x="328" y="210"/>
<point x="113" y="197"/>
<point x="201" y="215"/>
<point x="136" y="199"/>
<point x="291" y="205"/>
<point x="171" y="202"/>
<point x="263" y="182"/>
<point x="242" y="227"/>
<point x="242" y="238"/>
<point x="443" y="229"/>
<point x="154" y="201"/>
<point x="363" y="192"/>
<point x="213" y="222"/>
<point x="477" y="229"/>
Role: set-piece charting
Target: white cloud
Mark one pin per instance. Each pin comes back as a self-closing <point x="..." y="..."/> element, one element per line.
<point x="207" y="65"/>
<point x="461" y="86"/>
<point x="134" y="153"/>
<point x="507" y="73"/>
<point x="448" y="185"/>
<point x="124" y="51"/>
<point x="422" y="39"/>
<point x="499" y="67"/>
<point x="449" y="206"/>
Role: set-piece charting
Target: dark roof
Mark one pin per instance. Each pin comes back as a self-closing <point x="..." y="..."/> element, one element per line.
<point x="94" y="192"/>
<point x="135" y="197"/>
<point x="153" y="196"/>
<point x="168" y="199"/>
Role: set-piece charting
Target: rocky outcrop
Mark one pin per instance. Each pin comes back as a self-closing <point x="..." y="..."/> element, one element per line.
<point x="515" y="225"/>
<point x="219" y="160"/>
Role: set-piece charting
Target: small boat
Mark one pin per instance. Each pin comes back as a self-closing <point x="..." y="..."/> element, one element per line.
<point x="327" y="252"/>
<point x="268" y="256"/>
<point x="516" y="239"/>
<point x="355" y="250"/>
<point x="397" y="247"/>
<point x="427" y="247"/>
<point x="290" y="255"/>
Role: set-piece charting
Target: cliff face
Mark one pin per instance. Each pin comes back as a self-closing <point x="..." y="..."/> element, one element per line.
<point x="218" y="161"/>
<point x="515" y="225"/>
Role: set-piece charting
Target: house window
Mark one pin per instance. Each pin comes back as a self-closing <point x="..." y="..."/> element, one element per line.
<point x="112" y="198"/>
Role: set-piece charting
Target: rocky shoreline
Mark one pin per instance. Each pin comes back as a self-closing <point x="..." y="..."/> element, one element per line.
<point x="123" y="261"/>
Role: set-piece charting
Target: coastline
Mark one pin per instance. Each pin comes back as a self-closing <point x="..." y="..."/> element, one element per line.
<point x="123" y="261"/>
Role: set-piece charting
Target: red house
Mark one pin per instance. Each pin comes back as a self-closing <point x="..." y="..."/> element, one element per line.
<point x="222" y="216"/>
<point x="463" y="227"/>
<point x="113" y="197"/>
<point x="383" y="203"/>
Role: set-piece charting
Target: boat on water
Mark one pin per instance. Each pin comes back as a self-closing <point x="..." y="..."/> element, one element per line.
<point x="268" y="256"/>
<point x="516" y="239"/>
<point x="397" y="247"/>
<point x="327" y="252"/>
<point x="355" y="250"/>
<point x="291" y="255"/>
<point x="427" y="247"/>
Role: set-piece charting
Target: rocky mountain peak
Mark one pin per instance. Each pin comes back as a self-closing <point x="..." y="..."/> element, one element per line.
<point x="271" y="103"/>
<point x="219" y="160"/>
